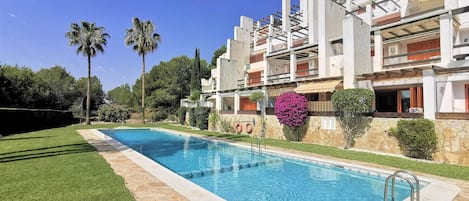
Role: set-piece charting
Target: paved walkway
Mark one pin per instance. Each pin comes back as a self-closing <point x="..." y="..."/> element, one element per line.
<point x="142" y="185"/>
<point x="146" y="187"/>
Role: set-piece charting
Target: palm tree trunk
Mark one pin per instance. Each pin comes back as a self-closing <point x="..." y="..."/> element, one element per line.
<point x="88" y="93"/>
<point x="143" y="88"/>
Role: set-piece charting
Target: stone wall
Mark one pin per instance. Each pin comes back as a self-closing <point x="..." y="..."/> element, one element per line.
<point x="453" y="135"/>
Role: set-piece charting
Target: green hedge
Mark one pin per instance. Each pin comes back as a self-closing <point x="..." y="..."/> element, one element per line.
<point x="182" y="115"/>
<point x="201" y="116"/>
<point x="192" y="117"/>
<point x="417" y="137"/>
<point x="17" y="120"/>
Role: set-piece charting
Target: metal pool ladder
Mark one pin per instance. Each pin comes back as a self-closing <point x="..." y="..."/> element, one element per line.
<point x="407" y="176"/>
<point x="256" y="142"/>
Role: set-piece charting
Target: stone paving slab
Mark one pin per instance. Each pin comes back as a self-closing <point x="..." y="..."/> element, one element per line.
<point x="142" y="185"/>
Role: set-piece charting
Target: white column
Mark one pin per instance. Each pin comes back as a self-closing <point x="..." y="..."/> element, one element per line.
<point x="369" y="14"/>
<point x="348" y="5"/>
<point x="266" y="70"/>
<point x="286" y="9"/>
<point x="292" y="66"/>
<point x="218" y="101"/>
<point x="289" y="40"/>
<point x="446" y="38"/>
<point x="256" y="35"/>
<point x="271" y="34"/>
<point x="236" y="103"/>
<point x="312" y="21"/>
<point x="323" y="44"/>
<point x="349" y="53"/>
<point x="451" y="4"/>
<point x="404" y="5"/>
<point x="429" y="94"/>
<point x="378" y="59"/>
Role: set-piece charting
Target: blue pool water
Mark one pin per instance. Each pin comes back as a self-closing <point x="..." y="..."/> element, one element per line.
<point x="234" y="173"/>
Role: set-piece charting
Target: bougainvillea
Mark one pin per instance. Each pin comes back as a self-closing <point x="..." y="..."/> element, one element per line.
<point x="291" y="109"/>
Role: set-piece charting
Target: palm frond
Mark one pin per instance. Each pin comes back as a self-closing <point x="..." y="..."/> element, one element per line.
<point x="89" y="38"/>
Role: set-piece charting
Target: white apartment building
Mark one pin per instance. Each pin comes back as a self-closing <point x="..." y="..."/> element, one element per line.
<point x="414" y="54"/>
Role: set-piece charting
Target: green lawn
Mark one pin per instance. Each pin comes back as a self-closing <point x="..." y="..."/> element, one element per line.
<point x="56" y="164"/>
<point x="450" y="171"/>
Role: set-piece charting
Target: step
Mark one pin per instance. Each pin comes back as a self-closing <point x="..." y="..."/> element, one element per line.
<point x="229" y="168"/>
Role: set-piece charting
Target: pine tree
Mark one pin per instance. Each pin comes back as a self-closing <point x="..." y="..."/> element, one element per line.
<point x="195" y="76"/>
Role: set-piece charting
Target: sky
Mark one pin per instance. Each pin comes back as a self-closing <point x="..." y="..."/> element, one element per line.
<point x="32" y="32"/>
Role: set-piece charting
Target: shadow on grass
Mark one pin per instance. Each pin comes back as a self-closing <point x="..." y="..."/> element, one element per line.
<point x="47" y="152"/>
<point x="23" y="138"/>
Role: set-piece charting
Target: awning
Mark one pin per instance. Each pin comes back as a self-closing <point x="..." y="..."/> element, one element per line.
<point x="275" y="92"/>
<point x="317" y="87"/>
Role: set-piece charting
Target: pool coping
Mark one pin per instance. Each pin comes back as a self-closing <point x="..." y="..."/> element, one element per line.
<point x="435" y="190"/>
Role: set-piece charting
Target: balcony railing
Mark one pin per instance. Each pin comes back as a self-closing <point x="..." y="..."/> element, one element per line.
<point x="320" y="106"/>
<point x="251" y="81"/>
<point x="461" y="51"/>
<point x="304" y="74"/>
<point x="402" y="60"/>
<point x="278" y="78"/>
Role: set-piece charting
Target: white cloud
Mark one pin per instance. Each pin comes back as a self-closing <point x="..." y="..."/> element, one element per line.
<point x="12" y="15"/>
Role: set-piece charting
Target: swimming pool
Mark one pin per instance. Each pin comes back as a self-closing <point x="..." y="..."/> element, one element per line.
<point x="238" y="174"/>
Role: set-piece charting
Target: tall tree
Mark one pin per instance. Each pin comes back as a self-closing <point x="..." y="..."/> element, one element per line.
<point x="195" y="74"/>
<point x="97" y="92"/>
<point x="58" y="87"/>
<point x="216" y="54"/>
<point x="143" y="39"/>
<point x="90" y="39"/>
<point x="122" y="95"/>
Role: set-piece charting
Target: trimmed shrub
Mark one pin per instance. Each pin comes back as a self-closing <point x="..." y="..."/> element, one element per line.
<point x="291" y="110"/>
<point x="256" y="96"/>
<point x="113" y="112"/>
<point x="349" y="106"/>
<point x="192" y="117"/>
<point x="201" y="115"/>
<point x="182" y="115"/>
<point x="172" y="118"/>
<point x="417" y="137"/>
<point x="159" y="115"/>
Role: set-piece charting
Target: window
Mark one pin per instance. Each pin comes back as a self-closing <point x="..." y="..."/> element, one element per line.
<point x="302" y="69"/>
<point x="256" y="58"/>
<point x="255" y="78"/>
<point x="432" y="46"/>
<point x="312" y="97"/>
<point x="246" y="104"/>
<point x="399" y="100"/>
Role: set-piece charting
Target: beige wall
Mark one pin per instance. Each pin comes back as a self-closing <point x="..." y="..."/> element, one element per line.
<point x="453" y="135"/>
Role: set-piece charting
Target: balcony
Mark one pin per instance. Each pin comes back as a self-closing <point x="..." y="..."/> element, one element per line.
<point x="320" y="108"/>
<point x="461" y="51"/>
<point x="250" y="81"/>
<point x="412" y="58"/>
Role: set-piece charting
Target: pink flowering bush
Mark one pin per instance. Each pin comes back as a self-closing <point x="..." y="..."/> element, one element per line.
<point x="291" y="109"/>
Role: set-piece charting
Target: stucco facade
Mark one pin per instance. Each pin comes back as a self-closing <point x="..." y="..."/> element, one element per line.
<point x="413" y="54"/>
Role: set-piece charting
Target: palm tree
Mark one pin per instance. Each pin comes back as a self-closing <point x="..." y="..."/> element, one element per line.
<point x="143" y="39"/>
<point x="90" y="40"/>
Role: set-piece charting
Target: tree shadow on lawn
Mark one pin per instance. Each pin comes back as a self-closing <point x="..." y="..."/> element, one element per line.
<point x="23" y="138"/>
<point x="47" y="152"/>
